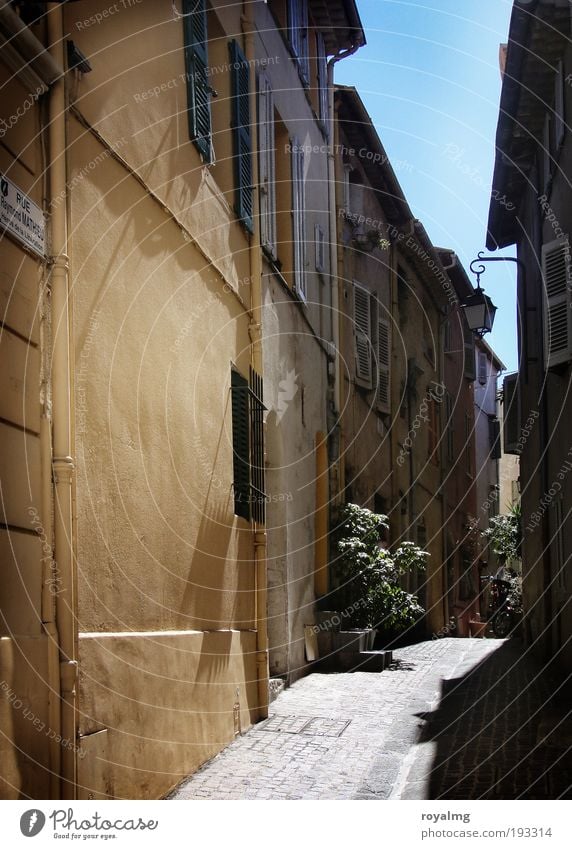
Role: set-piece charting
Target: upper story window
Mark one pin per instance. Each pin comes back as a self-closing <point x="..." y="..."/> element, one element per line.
<point x="362" y="335"/>
<point x="322" y="79"/>
<point x="483" y="368"/>
<point x="299" y="217"/>
<point x="244" y="204"/>
<point x="267" y="156"/>
<point x="298" y="36"/>
<point x="195" y="36"/>
<point x="554" y="129"/>
<point x="557" y="285"/>
<point x="469" y="353"/>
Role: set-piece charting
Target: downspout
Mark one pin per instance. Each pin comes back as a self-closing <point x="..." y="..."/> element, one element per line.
<point x="62" y="463"/>
<point x="255" y="331"/>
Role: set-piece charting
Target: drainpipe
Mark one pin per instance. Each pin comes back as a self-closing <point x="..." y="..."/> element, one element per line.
<point x="62" y="463"/>
<point x="255" y="331"/>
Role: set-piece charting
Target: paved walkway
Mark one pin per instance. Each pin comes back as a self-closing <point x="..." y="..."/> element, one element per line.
<point x="452" y="718"/>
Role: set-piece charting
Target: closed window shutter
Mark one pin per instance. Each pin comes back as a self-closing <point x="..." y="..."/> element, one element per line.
<point x="322" y="62"/>
<point x="241" y="444"/>
<point x="299" y="218"/>
<point x="267" y="166"/>
<point x="196" y="66"/>
<point x="362" y="329"/>
<point x="383" y="365"/>
<point x="469" y="353"/>
<point x="557" y="318"/>
<point x="511" y="414"/>
<point x="241" y="131"/>
<point x="298" y="35"/>
<point x="482" y="368"/>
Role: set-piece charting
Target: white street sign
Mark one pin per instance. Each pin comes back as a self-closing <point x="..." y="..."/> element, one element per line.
<point x="20" y="216"/>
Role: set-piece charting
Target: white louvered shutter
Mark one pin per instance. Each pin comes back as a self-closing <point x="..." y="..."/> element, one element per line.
<point x="383" y="365"/>
<point x="299" y="218"/>
<point x="267" y="166"/>
<point x="557" y="318"/>
<point x="362" y="333"/>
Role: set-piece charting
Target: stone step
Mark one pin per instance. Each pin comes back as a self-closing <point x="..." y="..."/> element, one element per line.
<point x="363" y="661"/>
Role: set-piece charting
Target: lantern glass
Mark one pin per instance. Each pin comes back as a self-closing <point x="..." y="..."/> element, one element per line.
<point x="480" y="312"/>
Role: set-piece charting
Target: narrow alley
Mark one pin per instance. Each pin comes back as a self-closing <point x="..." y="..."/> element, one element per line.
<point x="450" y="719"/>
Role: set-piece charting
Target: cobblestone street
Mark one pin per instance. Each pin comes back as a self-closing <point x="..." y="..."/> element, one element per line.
<point x="451" y="718"/>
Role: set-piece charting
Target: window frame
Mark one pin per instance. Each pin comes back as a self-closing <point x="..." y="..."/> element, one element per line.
<point x="298" y="21"/>
<point x="195" y="48"/>
<point x="267" y="166"/>
<point x="242" y="140"/>
<point x="299" y="218"/>
<point x="362" y="326"/>
<point x="556" y="294"/>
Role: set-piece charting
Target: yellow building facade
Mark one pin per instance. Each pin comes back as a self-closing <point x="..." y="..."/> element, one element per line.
<point x="143" y="303"/>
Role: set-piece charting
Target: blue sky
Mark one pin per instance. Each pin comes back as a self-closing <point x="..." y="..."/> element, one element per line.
<point x="429" y="77"/>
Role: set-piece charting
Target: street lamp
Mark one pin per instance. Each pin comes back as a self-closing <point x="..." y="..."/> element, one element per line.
<point x="478" y="307"/>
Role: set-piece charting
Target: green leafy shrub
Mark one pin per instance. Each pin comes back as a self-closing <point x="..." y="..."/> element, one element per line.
<point x="504" y="534"/>
<point x="367" y="574"/>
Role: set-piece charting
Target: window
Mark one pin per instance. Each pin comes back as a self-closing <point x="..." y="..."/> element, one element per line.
<point x="383" y="365"/>
<point x="556" y="522"/>
<point x="320" y="244"/>
<point x="483" y="369"/>
<point x="403" y="290"/>
<point x="493" y="500"/>
<point x="362" y="334"/>
<point x="557" y="313"/>
<point x="511" y="414"/>
<point x="546" y="152"/>
<point x="267" y="154"/>
<point x="299" y="218"/>
<point x="447" y="336"/>
<point x="346" y="188"/>
<point x="468" y="446"/>
<point x="450" y="428"/>
<point x="248" y="446"/>
<point x="494" y="438"/>
<point x="298" y="36"/>
<point x="433" y="431"/>
<point x="469" y="348"/>
<point x="322" y="63"/>
<point x="196" y="66"/>
<point x="559" y="118"/>
<point x="241" y="133"/>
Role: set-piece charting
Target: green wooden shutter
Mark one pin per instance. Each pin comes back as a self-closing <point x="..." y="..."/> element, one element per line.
<point x="383" y="365"/>
<point x="196" y="65"/>
<point x="241" y="131"/>
<point x="241" y="444"/>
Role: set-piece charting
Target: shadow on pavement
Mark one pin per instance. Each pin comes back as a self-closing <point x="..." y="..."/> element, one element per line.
<point x="502" y="731"/>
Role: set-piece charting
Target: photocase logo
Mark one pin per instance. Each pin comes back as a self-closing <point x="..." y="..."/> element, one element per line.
<point x="32" y="822"/>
